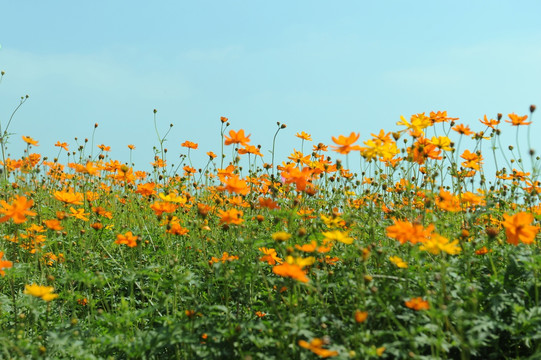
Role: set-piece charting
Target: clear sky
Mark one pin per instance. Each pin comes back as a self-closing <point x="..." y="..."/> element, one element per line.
<point x="323" y="67"/>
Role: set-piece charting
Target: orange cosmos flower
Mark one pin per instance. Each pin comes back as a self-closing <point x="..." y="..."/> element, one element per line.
<point x="490" y="123"/>
<point x="270" y="256"/>
<point x="518" y="228"/>
<point x="473" y="160"/>
<point x="516" y="120"/>
<point x="211" y="155"/>
<point x="225" y="257"/>
<point x="268" y="203"/>
<point x="345" y="143"/>
<point x="231" y="216"/>
<point x="417" y="304"/>
<point x="79" y="214"/>
<point x="4" y="264"/>
<point x="53" y="224"/>
<point x="127" y="239"/>
<point x="189" y="145"/>
<point x="235" y="185"/>
<point x="404" y="231"/>
<point x="463" y="129"/>
<point x="62" y="145"/>
<point x="102" y="147"/>
<point x="69" y="197"/>
<point x="237" y="138"/>
<point x="17" y="210"/>
<point x="360" y="316"/>
<point x="131" y="147"/>
<point x="146" y="189"/>
<point x="160" y="207"/>
<point x="293" y="271"/>
<point x="30" y="141"/>
<point x="304" y="136"/>
<point x="315" y="346"/>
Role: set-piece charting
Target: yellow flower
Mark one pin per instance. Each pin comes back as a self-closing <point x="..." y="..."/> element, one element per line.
<point x="281" y="236"/>
<point x="337" y="235"/>
<point x="45" y="293"/>
<point x="398" y="262"/>
<point x="437" y="243"/>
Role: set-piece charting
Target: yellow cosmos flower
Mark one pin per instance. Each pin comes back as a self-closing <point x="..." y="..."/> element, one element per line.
<point x="45" y="293"/>
<point x="281" y="236"/>
<point x="337" y="235"/>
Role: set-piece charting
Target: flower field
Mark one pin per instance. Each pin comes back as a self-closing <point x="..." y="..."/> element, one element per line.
<point x="423" y="254"/>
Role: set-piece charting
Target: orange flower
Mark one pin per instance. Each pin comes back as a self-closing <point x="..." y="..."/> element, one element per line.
<point x="268" y="203"/>
<point x="463" y="129"/>
<point x="235" y="185"/>
<point x="404" y="231"/>
<point x="128" y="239"/>
<point x="417" y="304"/>
<point x="161" y="207"/>
<point x="315" y="346"/>
<point x="189" y="145"/>
<point x="490" y="123"/>
<point x="473" y="160"/>
<point x="69" y="197"/>
<point x="225" y="257"/>
<point x="131" y="147"/>
<point x="237" y="138"/>
<point x="345" y="143"/>
<point x="211" y="155"/>
<point x="62" y="145"/>
<point x="53" y="224"/>
<point x="146" y="189"/>
<point x="360" y="316"/>
<point x="79" y="214"/>
<point x="270" y="256"/>
<point x="518" y="228"/>
<point x="30" y="141"/>
<point x="4" y="264"/>
<point x="231" y="216"/>
<point x="293" y="271"/>
<point x="17" y="210"/>
<point x="102" y="147"/>
<point x="516" y="120"/>
<point x="304" y="136"/>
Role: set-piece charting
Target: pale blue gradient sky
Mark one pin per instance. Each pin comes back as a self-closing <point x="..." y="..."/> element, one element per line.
<point x="327" y="68"/>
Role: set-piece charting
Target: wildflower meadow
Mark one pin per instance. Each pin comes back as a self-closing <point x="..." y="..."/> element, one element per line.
<point x="429" y="251"/>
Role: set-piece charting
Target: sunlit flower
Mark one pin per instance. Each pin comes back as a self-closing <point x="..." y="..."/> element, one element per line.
<point x="79" y="214"/>
<point x="18" y="210"/>
<point x="315" y="346"/>
<point x="345" y="143"/>
<point x="360" y="316"/>
<point x="62" y="145"/>
<point x="337" y="235"/>
<point x="519" y="227"/>
<point x="231" y="216"/>
<point x="293" y="271"/>
<point x="270" y="256"/>
<point x="437" y="243"/>
<point x="4" y="264"/>
<point x="30" y="141"/>
<point x="417" y="304"/>
<point x="516" y="120"/>
<point x="281" y="236"/>
<point x="128" y="239"/>
<point x="398" y="262"/>
<point x="45" y="293"/>
<point x="404" y="231"/>
<point x="463" y="129"/>
<point x="189" y="145"/>
<point x="304" y="136"/>
<point x="237" y="138"/>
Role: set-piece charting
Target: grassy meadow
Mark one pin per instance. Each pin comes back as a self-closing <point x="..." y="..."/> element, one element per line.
<point x="420" y="255"/>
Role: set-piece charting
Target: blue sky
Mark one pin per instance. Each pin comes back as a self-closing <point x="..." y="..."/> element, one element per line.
<point x="326" y="68"/>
